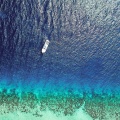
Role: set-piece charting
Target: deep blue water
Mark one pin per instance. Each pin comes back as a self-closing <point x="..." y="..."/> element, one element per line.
<point x="84" y="50"/>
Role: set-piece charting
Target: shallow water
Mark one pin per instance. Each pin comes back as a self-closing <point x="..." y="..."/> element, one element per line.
<point x="82" y="58"/>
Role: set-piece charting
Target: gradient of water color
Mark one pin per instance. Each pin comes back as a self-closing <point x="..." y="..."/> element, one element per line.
<point x="78" y="78"/>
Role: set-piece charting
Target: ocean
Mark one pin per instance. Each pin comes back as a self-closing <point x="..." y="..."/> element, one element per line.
<point x="78" y="77"/>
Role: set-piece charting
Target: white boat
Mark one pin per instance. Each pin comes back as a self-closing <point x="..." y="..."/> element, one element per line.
<point x="45" y="46"/>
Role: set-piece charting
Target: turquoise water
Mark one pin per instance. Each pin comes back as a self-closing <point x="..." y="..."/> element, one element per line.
<point x="80" y="68"/>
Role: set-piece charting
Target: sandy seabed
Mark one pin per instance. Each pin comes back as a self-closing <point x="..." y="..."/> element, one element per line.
<point x="58" y="107"/>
